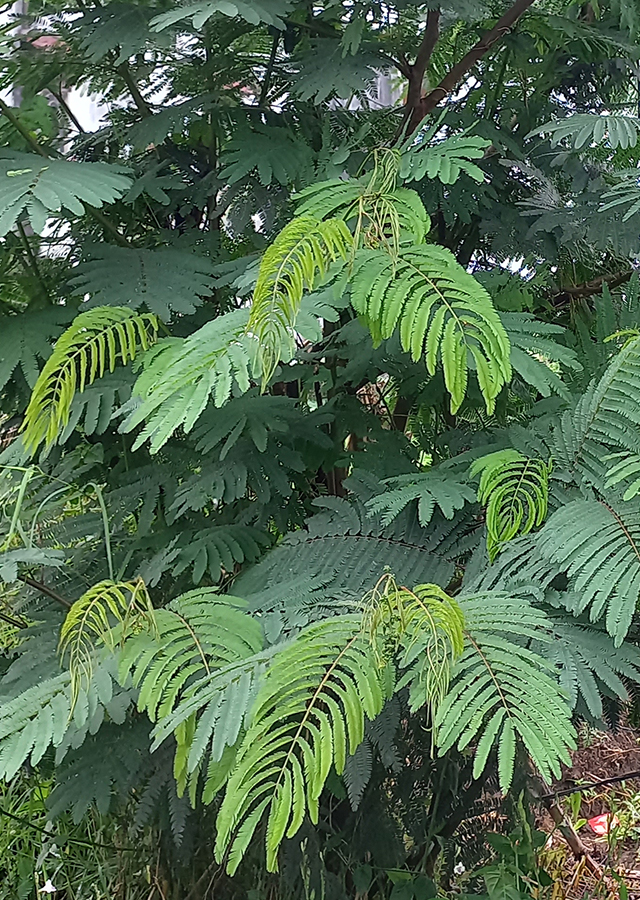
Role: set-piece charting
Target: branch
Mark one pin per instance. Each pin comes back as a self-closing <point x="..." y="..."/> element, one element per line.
<point x="33" y="262"/>
<point x="67" y="110"/>
<point x="415" y="72"/>
<point x="451" y="81"/>
<point x="47" y="591"/>
<point x="10" y="620"/>
<point x="588" y="288"/>
<point x="143" y="107"/>
<point x="266" y="84"/>
<point x="26" y="134"/>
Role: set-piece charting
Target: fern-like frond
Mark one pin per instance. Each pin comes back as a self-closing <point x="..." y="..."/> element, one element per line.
<point x="308" y="715"/>
<point x="91" y="620"/>
<point x="597" y="544"/>
<point x="380" y="213"/>
<point x="502" y="691"/>
<point x="606" y="416"/>
<point x="165" y="281"/>
<point x="340" y="554"/>
<point x="106" y="765"/>
<point x="627" y="466"/>
<point x="582" y="130"/>
<point x="45" y="187"/>
<point x="293" y="264"/>
<point x="93" y="344"/>
<point x="626" y="192"/>
<point x="215" y="550"/>
<point x="424" y="629"/>
<point x="515" y="491"/>
<point x="197" y="633"/>
<point x="587" y="665"/>
<point x="446" y="160"/>
<point x="433" y="488"/>
<point x="442" y="313"/>
<point x="267" y="11"/>
<point x="26" y="339"/>
<point x="537" y="355"/>
<point x="193" y="680"/>
<point x="181" y="375"/>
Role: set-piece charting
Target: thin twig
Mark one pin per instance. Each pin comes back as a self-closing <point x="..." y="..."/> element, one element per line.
<point x="33" y="262"/>
<point x="44" y="589"/>
<point x="17" y="623"/>
<point x="266" y="84"/>
<point x="67" y="109"/>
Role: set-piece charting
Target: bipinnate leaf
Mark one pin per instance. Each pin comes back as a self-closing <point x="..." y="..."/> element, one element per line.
<point x="95" y="342"/>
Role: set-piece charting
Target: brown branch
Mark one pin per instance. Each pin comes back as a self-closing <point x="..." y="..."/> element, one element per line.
<point x="67" y="110"/>
<point x="453" y="78"/>
<point x="588" y="288"/>
<point x="415" y="72"/>
<point x="47" y="591"/>
<point x="571" y="836"/>
<point x="10" y="620"/>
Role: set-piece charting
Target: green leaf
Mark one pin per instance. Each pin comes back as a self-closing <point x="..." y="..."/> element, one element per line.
<point x="45" y="187"/>
<point x="164" y="281"/>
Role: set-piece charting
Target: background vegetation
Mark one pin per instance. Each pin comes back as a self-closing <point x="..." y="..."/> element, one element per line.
<point x="320" y="396"/>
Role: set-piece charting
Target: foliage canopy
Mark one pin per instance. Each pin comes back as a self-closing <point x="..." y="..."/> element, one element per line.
<point x="319" y="412"/>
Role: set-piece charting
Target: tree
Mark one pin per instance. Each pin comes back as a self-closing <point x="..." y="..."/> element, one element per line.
<point x="323" y="505"/>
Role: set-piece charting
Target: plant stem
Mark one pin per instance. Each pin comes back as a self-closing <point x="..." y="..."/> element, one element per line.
<point x="33" y="261"/>
<point x="47" y="591"/>
<point x="26" y="134"/>
<point x="67" y="109"/>
<point x="266" y="84"/>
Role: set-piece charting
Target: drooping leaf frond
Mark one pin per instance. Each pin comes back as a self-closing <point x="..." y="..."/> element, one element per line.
<point x="515" y="491"/>
<point x="597" y="543"/>
<point x="181" y="375"/>
<point x="424" y="629"/>
<point x="308" y="715"/>
<point x="380" y="212"/>
<point x="90" y="623"/>
<point x="502" y="691"/>
<point x="297" y="259"/>
<point x="442" y="313"/>
<point x="93" y="344"/>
